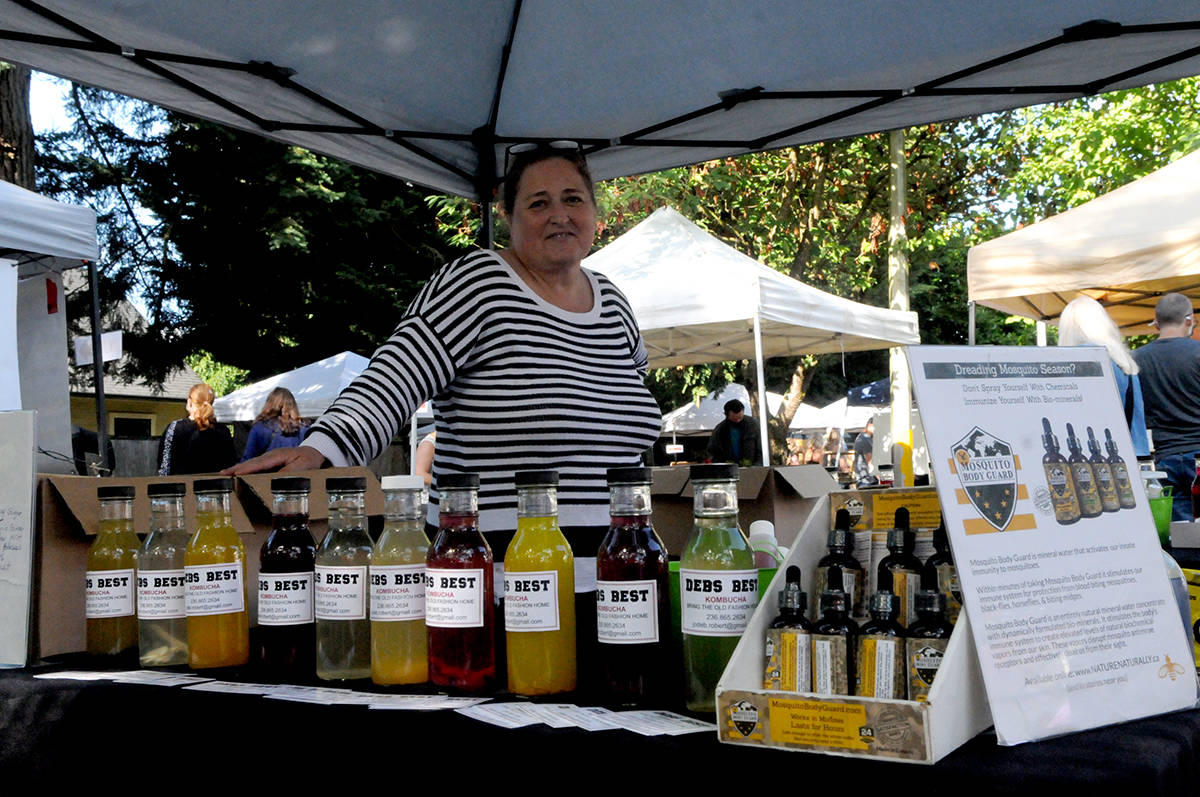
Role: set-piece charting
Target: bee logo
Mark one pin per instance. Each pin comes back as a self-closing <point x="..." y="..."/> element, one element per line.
<point x="1170" y="670"/>
<point x="963" y="456"/>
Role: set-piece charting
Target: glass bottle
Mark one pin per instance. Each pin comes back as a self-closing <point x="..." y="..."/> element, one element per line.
<point x="459" y="612"/>
<point x="1084" y="477"/>
<point x="340" y="584"/>
<point x="788" y="664"/>
<point x="928" y="637"/>
<point x="834" y="641"/>
<point x="110" y="614"/>
<point x="161" y="598"/>
<point x="398" y="636"/>
<point x="1105" y="483"/>
<point x="881" y="659"/>
<point x="718" y="583"/>
<point x="840" y="553"/>
<point x="940" y="573"/>
<point x="1059" y="479"/>
<point x="903" y="568"/>
<point x="1120" y="472"/>
<point x="218" y="623"/>
<point x="286" y="629"/>
<point x="632" y="601"/>
<point x="539" y="592"/>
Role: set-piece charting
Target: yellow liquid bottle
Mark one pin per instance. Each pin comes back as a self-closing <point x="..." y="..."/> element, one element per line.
<point x="398" y="637"/>
<point x="539" y="593"/>
<point x="110" y="581"/>
<point x="218" y="623"/>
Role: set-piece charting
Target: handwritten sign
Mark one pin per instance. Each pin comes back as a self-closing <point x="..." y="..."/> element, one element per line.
<point x="16" y="534"/>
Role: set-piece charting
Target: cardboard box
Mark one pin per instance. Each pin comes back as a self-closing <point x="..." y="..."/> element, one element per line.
<point x="896" y="730"/>
<point x="786" y="496"/>
<point x="67" y="518"/>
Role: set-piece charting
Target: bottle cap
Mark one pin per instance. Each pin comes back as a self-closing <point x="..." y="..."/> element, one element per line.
<point x="123" y="491"/>
<point x="842" y="520"/>
<point x="291" y="484"/>
<point x="792" y="596"/>
<point x="460" y="481"/>
<point x="345" y="484"/>
<point x="630" y="476"/>
<point x="166" y="489"/>
<point x="929" y="600"/>
<point x="762" y="530"/>
<point x="722" y="472"/>
<point x="411" y="482"/>
<point x="221" y="485"/>
<point x="536" y="478"/>
<point x="833" y="600"/>
<point x="838" y="537"/>
<point x="886" y="603"/>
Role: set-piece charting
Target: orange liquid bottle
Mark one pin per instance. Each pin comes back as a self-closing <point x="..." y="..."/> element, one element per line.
<point x="218" y="623"/>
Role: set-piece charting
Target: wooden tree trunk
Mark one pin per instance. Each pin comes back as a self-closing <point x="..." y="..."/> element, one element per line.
<point x="16" y="126"/>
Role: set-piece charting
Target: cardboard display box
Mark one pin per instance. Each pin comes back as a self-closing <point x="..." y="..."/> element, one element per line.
<point x="786" y="496"/>
<point x="898" y="730"/>
<point x="67" y="518"/>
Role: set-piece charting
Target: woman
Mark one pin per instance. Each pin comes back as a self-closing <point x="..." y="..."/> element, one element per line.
<point x="278" y="425"/>
<point x="531" y="361"/>
<point x="1084" y="321"/>
<point x="197" y="443"/>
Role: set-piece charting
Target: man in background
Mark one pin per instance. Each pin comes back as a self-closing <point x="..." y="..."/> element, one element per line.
<point x="1169" y="372"/>
<point x="864" y="446"/>
<point x="736" y="438"/>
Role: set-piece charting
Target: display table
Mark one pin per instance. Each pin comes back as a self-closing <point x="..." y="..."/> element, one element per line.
<point x="67" y="731"/>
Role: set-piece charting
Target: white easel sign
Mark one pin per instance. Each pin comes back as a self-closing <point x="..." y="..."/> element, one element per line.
<point x="1060" y="565"/>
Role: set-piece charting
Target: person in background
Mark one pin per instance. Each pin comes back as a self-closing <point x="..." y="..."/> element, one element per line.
<point x="863" y="454"/>
<point x="423" y="464"/>
<point x="197" y="443"/>
<point x="1169" y="373"/>
<point x="278" y="425"/>
<point x="1084" y="321"/>
<point x="736" y="438"/>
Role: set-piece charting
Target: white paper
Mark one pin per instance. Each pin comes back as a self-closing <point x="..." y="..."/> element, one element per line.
<point x="17" y="434"/>
<point x="504" y="715"/>
<point x="1073" y="619"/>
<point x="232" y="687"/>
<point x="422" y="702"/>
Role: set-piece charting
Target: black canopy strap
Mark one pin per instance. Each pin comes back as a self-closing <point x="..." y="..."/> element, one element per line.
<point x="485" y="180"/>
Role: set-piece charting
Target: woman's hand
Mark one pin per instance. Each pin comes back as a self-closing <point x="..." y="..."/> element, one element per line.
<point x="282" y="459"/>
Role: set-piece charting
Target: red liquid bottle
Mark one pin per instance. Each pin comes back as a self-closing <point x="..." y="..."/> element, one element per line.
<point x="286" y="630"/>
<point x="459" y="614"/>
<point x="631" y="595"/>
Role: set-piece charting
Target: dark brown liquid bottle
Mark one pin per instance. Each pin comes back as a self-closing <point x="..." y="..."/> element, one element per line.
<point x="286" y="631"/>
<point x="459" y="613"/>
<point x="841" y="546"/>
<point x="1105" y="483"/>
<point x="902" y="566"/>
<point x="834" y="641"/>
<point x="1120" y="472"/>
<point x="1059" y="479"/>
<point x="1085" y="477"/>
<point x="631" y="595"/>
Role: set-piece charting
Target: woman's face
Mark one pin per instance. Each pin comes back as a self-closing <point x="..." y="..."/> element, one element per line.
<point x="553" y="220"/>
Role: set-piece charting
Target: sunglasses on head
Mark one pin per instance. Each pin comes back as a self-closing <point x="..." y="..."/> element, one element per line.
<point x="559" y="145"/>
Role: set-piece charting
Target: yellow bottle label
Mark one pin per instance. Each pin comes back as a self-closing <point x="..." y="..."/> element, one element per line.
<point x="788" y="660"/>
<point x="881" y="667"/>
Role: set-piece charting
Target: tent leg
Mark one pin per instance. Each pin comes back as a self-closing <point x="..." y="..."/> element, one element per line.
<point x="762" y="393"/>
<point x="1041" y="333"/>
<point x="970" y="323"/>
<point x="98" y="372"/>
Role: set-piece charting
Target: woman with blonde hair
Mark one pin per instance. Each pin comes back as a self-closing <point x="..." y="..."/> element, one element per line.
<point x="278" y="425"/>
<point x="197" y="443"/>
<point x="1085" y="322"/>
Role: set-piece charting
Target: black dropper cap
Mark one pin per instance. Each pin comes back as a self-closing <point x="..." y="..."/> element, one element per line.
<point x="1093" y="443"/>
<point x="1110" y="445"/>
<point x="792" y="596"/>
<point x="1049" y="441"/>
<point x="1072" y="440"/>
<point x="900" y="535"/>
<point x="929" y="600"/>
<point x="834" y="596"/>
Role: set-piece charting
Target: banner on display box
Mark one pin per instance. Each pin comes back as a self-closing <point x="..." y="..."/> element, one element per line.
<point x="1060" y="565"/>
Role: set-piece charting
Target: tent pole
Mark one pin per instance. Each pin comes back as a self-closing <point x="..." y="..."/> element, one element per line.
<point x="762" y="393"/>
<point x="901" y="398"/>
<point x="98" y="370"/>
<point x="970" y="323"/>
<point x="1040" y="326"/>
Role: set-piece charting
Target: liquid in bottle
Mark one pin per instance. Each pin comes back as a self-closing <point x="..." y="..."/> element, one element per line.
<point x="398" y="634"/>
<point x="110" y="613"/>
<point x="161" y="597"/>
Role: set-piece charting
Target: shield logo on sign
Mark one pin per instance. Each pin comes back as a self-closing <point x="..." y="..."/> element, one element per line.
<point x="744" y="716"/>
<point x="988" y="473"/>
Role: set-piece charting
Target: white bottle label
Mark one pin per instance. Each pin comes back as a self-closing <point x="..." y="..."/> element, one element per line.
<point x="285" y="598"/>
<point x="717" y="602"/>
<point x="215" y="589"/>
<point x="454" y="598"/>
<point x="397" y="592"/>
<point x="109" y="593"/>
<point x="340" y="593"/>
<point x="626" y="612"/>
<point x="531" y="600"/>
<point x="885" y="667"/>
<point x="160" y="595"/>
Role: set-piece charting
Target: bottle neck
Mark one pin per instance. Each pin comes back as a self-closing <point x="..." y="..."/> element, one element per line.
<point x="537" y="501"/>
<point x="166" y="513"/>
<point x="458" y="501"/>
<point x="347" y="510"/>
<point x="715" y="498"/>
<point x="114" y="511"/>
<point x="289" y="503"/>
<point x="403" y="505"/>
<point x="629" y="500"/>
<point x="213" y="505"/>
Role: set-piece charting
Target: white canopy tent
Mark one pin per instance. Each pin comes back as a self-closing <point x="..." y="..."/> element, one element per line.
<point x="699" y="300"/>
<point x="1125" y="249"/>
<point x="433" y="92"/>
<point x="701" y="417"/>
<point x="315" y="386"/>
<point x="39" y="239"/>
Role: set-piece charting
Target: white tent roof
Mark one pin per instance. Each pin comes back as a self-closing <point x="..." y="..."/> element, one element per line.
<point x="40" y="232"/>
<point x="315" y="386"/>
<point x="703" y="416"/>
<point x="1125" y="249"/>
<point x="695" y="299"/>
<point x="840" y="415"/>
<point x="434" y="91"/>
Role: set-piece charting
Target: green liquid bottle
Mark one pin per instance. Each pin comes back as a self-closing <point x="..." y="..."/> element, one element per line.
<point x="718" y="584"/>
<point x="901" y="566"/>
<point x="162" y="605"/>
<point x="398" y="635"/>
<point x="340" y="585"/>
<point x="110" y="613"/>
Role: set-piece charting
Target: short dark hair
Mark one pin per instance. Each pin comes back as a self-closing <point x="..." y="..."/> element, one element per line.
<point x="1172" y="309"/>
<point x="543" y="152"/>
<point x="733" y="405"/>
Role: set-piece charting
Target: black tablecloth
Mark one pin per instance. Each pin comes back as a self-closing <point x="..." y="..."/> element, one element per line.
<point x="148" y="738"/>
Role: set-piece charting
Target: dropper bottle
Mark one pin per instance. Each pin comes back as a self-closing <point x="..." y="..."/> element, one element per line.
<point x="1105" y="484"/>
<point x="834" y="641"/>
<point x="789" y="642"/>
<point x="1085" y="477"/>
<point x="1120" y="472"/>
<point x="1059" y="479"/>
